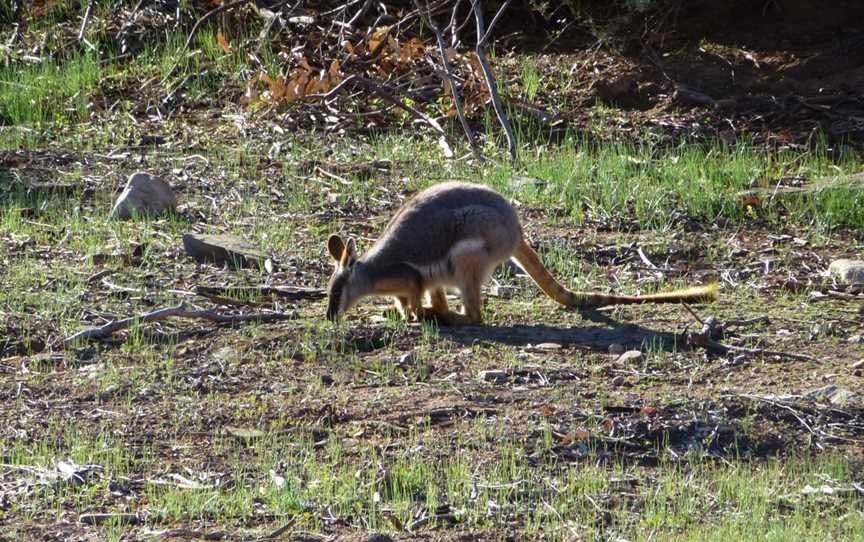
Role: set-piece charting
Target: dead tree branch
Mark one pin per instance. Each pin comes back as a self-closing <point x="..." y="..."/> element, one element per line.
<point x="703" y="339"/>
<point x="450" y="78"/>
<point x="86" y="21"/>
<point x="483" y="34"/>
<point x="180" y="311"/>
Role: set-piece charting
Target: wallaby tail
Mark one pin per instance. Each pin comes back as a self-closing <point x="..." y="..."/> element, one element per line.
<point x="530" y="262"/>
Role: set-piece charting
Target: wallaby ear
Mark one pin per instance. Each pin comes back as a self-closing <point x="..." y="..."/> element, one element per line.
<point x="335" y="247"/>
<point x="349" y="255"/>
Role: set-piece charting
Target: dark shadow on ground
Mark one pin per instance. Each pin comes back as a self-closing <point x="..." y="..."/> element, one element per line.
<point x="594" y="337"/>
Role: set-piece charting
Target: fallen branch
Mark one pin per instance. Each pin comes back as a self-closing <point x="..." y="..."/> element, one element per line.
<point x="290" y="293"/>
<point x="180" y="311"/>
<point x="703" y="339"/>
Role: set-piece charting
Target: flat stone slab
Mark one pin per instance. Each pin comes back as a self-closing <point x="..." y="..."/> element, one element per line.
<point x="847" y="271"/>
<point x="223" y="249"/>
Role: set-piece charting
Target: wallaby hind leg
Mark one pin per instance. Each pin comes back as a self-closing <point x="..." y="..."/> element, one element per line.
<point x="472" y="302"/>
<point x="402" y="307"/>
<point x="439" y="311"/>
<point x="439" y="301"/>
<point x="473" y="273"/>
<point x="410" y="306"/>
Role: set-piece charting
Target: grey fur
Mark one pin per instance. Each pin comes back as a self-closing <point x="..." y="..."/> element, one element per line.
<point x="428" y="226"/>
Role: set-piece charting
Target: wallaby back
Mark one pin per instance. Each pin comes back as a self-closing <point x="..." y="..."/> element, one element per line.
<point x="425" y="231"/>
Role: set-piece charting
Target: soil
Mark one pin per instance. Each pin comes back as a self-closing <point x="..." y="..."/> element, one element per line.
<point x="780" y="72"/>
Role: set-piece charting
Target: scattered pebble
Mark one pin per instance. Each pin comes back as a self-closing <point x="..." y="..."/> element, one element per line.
<point x="492" y="375"/>
<point x="616" y="348"/>
<point x="406" y="359"/>
<point x="630" y="356"/>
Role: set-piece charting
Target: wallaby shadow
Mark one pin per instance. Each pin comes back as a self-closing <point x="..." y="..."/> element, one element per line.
<point x="594" y="337"/>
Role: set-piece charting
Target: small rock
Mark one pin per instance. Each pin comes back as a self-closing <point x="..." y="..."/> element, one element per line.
<point x="221" y="249"/>
<point x="543" y="347"/>
<point x="832" y="393"/>
<point x="501" y="290"/>
<point x="630" y="356"/>
<point x="519" y="182"/>
<point x="144" y="195"/>
<point x="326" y="380"/>
<point x="244" y="433"/>
<point x="687" y="96"/>
<point x="847" y="271"/>
<point x="616" y="348"/>
<point x="493" y="375"/>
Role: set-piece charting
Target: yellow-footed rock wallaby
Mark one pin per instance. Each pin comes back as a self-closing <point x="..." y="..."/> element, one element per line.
<point x="454" y="235"/>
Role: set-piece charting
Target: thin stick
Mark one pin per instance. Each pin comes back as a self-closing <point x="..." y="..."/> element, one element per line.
<point x="86" y="21"/>
<point x="180" y="311"/>
<point x="692" y="313"/>
<point x="286" y="292"/>
<point x="451" y="79"/>
<point x="385" y="94"/>
<point x="482" y="36"/>
<point x="360" y="13"/>
<point x="196" y="27"/>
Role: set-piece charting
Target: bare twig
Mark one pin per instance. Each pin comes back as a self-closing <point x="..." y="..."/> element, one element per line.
<point x="693" y="313"/>
<point x="87" y="14"/>
<point x="180" y="311"/>
<point x="360" y="13"/>
<point x="196" y="27"/>
<point x="451" y="80"/>
<point x="482" y="35"/>
<point x="385" y="94"/>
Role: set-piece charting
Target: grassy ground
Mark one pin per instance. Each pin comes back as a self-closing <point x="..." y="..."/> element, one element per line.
<point x="196" y="430"/>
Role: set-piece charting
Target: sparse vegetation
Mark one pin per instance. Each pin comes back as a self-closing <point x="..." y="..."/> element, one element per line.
<point x="191" y="430"/>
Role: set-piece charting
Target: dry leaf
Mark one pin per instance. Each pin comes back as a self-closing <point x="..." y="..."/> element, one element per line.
<point x="250" y="96"/>
<point x="223" y="43"/>
<point x="377" y="38"/>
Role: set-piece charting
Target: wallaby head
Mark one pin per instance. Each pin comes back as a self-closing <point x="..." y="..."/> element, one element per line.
<point x="349" y="283"/>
